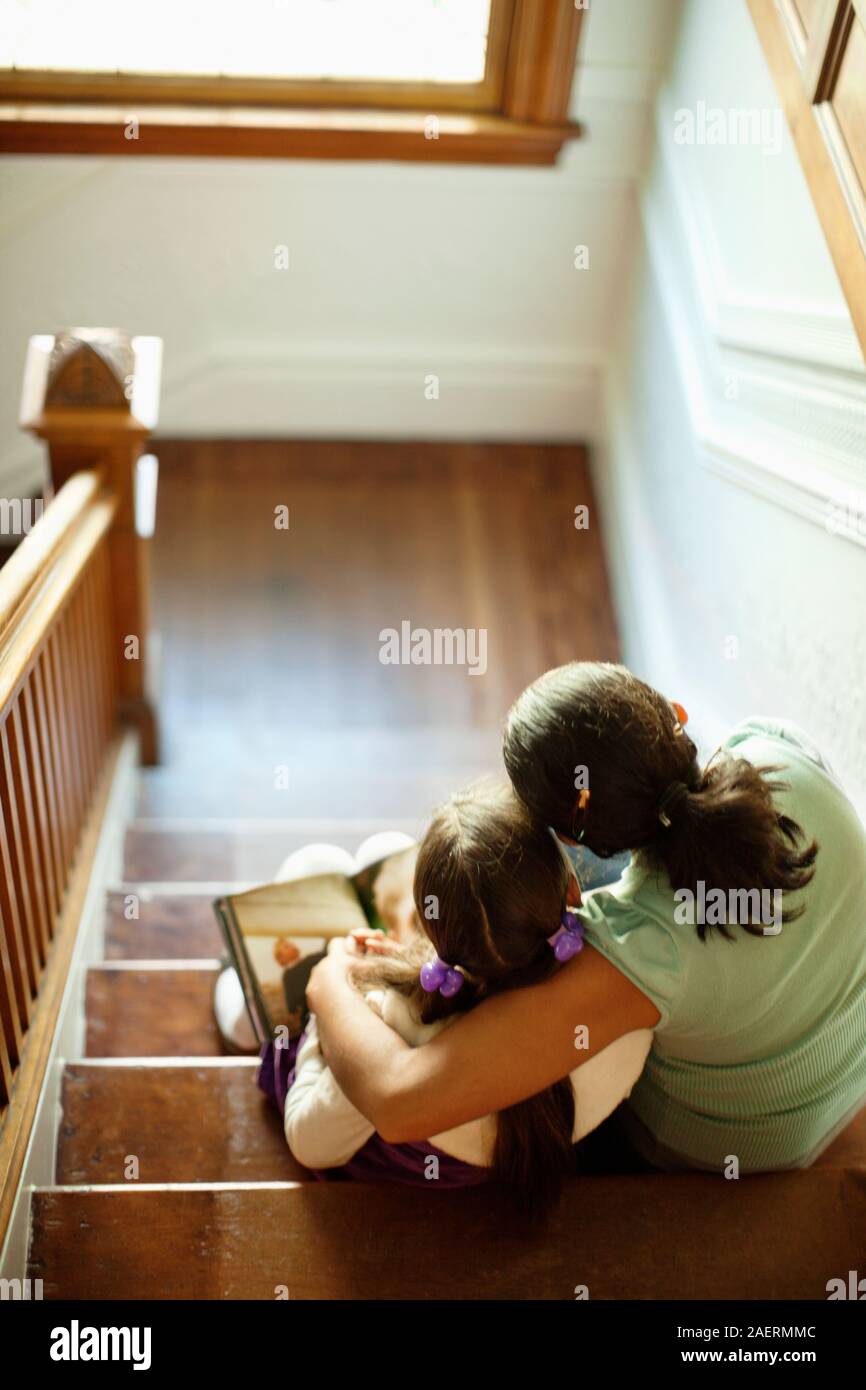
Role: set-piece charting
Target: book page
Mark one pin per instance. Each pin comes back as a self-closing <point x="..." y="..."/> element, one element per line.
<point x="284" y="929"/>
<point x="324" y="906"/>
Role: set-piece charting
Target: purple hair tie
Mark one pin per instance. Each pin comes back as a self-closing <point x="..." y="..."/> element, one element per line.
<point x="568" y="939"/>
<point x="437" y="974"/>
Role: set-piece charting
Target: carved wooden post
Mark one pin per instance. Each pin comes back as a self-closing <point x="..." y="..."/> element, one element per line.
<point x="93" y="395"/>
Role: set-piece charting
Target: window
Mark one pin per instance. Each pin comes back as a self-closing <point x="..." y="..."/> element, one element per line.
<point x="816" y="50"/>
<point x="261" y="48"/>
<point x="475" y="78"/>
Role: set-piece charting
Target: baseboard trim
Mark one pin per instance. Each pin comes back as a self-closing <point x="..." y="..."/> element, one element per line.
<point x="325" y="391"/>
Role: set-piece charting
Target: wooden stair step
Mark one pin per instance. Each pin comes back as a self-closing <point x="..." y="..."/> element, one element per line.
<point x="185" y="1122"/>
<point x="224" y="769"/>
<point x="657" y="1236"/>
<point x="218" y="853"/>
<point x="169" y="926"/>
<point x="398" y="792"/>
<point x="151" y="1011"/>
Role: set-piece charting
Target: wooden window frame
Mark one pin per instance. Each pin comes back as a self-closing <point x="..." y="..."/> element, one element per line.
<point x="517" y="113"/>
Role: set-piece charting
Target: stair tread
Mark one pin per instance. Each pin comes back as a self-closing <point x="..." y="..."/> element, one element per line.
<point x="779" y="1237"/>
<point x="151" y="1012"/>
<point x="158" y="853"/>
<point x="210" y="1123"/>
<point x="169" y="926"/>
<point x="186" y="1123"/>
<point x="416" y="768"/>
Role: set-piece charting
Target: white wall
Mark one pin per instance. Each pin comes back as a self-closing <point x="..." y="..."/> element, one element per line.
<point x="736" y="404"/>
<point x="396" y="272"/>
<point x="734" y="387"/>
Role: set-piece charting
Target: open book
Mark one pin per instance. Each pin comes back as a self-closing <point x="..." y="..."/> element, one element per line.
<point x="276" y="933"/>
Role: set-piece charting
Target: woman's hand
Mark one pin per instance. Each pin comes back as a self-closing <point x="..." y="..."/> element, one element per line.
<point x="330" y="978"/>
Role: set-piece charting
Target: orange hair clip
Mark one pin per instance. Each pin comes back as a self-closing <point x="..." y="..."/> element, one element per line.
<point x="681" y="714"/>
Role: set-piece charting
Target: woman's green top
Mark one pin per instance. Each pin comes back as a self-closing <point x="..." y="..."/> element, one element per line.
<point x="760" y="1052"/>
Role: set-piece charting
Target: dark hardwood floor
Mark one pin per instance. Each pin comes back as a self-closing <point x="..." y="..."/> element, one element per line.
<point x="273" y="699"/>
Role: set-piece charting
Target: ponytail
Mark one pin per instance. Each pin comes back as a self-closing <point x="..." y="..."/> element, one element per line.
<point x="726" y="833"/>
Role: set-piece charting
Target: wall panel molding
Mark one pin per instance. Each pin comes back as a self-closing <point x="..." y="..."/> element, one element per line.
<point x="776" y="391"/>
<point x="807" y="333"/>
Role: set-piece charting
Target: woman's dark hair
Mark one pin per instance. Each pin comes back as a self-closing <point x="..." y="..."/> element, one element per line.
<point x="490" y="888"/>
<point x="596" y="726"/>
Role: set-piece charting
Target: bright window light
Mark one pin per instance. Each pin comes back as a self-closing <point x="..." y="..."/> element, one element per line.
<point x="348" y="40"/>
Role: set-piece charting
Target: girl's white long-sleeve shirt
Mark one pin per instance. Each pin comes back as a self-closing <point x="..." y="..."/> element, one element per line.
<point x="325" y="1130"/>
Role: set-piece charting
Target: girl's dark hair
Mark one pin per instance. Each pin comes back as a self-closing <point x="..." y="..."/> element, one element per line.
<point x="596" y="725"/>
<point x="490" y="888"/>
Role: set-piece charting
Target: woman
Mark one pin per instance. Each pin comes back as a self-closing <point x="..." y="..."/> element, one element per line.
<point x="759" y="1016"/>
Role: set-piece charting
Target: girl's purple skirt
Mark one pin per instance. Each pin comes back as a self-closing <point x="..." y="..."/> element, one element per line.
<point x="376" y="1161"/>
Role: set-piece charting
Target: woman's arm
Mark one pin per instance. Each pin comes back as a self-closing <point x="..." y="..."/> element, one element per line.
<point x="510" y="1047"/>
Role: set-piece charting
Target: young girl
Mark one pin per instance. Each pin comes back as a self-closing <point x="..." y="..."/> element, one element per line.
<point x="491" y="892"/>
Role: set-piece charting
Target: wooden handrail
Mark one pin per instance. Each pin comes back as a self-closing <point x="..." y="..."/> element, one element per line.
<point x="29" y="562"/>
<point x="67" y="562"/>
<point x="70" y="595"/>
<point x="58" y="720"/>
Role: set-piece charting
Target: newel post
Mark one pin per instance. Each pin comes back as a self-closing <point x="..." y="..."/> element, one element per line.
<point x="93" y="395"/>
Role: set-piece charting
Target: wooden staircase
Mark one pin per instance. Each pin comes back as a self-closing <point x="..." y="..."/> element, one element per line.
<point x="173" y="1179"/>
<point x="167" y="1176"/>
